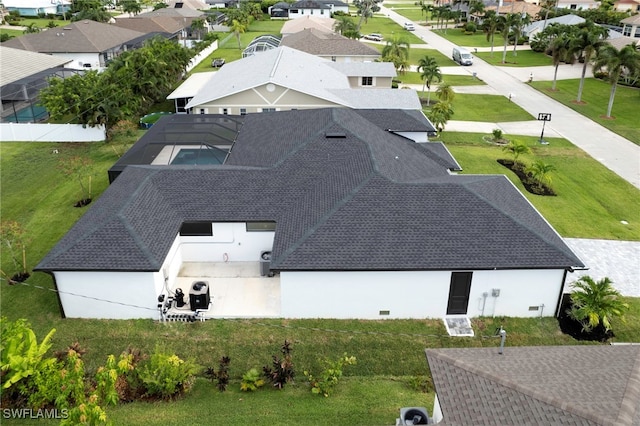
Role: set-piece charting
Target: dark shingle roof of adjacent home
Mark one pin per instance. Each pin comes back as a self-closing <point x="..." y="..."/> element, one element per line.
<point x="322" y="43"/>
<point x="345" y="195"/>
<point x="77" y="37"/>
<point x="151" y="24"/>
<point x="545" y="385"/>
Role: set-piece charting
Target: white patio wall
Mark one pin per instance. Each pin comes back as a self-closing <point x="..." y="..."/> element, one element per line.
<point x="32" y="132"/>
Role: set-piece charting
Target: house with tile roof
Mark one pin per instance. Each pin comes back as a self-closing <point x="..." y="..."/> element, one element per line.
<point x="334" y="213"/>
<point x="88" y="44"/>
<point x="627" y="6"/>
<point x="631" y="26"/>
<point x="284" y="78"/>
<point x="543" y="385"/>
<point x="171" y="28"/>
<point x="331" y="46"/>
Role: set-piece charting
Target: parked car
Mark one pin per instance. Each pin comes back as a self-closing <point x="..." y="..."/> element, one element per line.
<point x="373" y="37"/>
<point x="462" y="56"/>
<point x="409" y="26"/>
<point x="217" y="62"/>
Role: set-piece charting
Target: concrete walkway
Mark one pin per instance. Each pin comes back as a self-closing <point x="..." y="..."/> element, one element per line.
<point x="615" y="152"/>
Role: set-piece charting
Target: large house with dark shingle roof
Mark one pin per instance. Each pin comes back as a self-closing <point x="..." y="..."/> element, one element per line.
<point x="544" y="385"/>
<point x="88" y="44"/>
<point x="360" y="222"/>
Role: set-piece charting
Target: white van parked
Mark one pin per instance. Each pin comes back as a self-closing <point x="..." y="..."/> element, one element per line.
<point x="409" y="26"/>
<point x="462" y="56"/>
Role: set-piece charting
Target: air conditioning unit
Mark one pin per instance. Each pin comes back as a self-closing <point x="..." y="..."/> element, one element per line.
<point x="413" y="416"/>
<point x="199" y="297"/>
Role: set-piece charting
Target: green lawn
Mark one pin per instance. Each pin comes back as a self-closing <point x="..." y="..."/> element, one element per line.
<point x="458" y="37"/>
<point x="416" y="54"/>
<point x="489" y="108"/>
<point x="523" y="58"/>
<point x="595" y="99"/>
<point x="388" y="28"/>
<point x="12" y="33"/>
<point x="411" y="12"/>
<point x="452" y="79"/>
<point x="592" y="200"/>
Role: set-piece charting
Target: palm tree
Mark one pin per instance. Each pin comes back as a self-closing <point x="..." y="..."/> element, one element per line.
<point x="625" y="61"/>
<point x="346" y="27"/>
<point x="506" y="23"/>
<point x="397" y="51"/>
<point x="429" y="72"/>
<point x="32" y="28"/>
<point x="541" y="171"/>
<point x="445" y="92"/>
<point x="588" y="40"/>
<point x="132" y="7"/>
<point x="476" y="7"/>
<point x="562" y="50"/>
<point x="198" y="25"/>
<point x="547" y="5"/>
<point x="518" y="26"/>
<point x="490" y="24"/>
<point x="595" y="303"/>
<point x="366" y="9"/>
<point x="440" y="114"/>
<point x="238" y="28"/>
<point x="516" y="148"/>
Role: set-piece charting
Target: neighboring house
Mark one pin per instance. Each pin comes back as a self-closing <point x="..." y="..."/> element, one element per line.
<point x="632" y="6"/>
<point x="317" y="8"/>
<point x="331" y="46"/>
<point x="170" y="27"/>
<point x="37" y="7"/>
<point x="543" y="385"/>
<point x="631" y="26"/>
<point x="537" y="26"/>
<point x="358" y="222"/>
<point x="20" y="83"/>
<point x="296" y="25"/>
<point x="187" y="4"/>
<point x="279" y="10"/>
<point x="88" y="44"/>
<point x="261" y="44"/>
<point x="284" y="78"/>
<point x="502" y="8"/>
<point x="621" y="41"/>
<point x="578" y="4"/>
<point x="183" y="15"/>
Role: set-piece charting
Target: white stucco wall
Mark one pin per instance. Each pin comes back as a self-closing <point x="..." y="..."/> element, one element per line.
<point x="436" y="416"/>
<point x="230" y="243"/>
<point x="415" y="294"/>
<point x="112" y="295"/>
<point x="80" y="59"/>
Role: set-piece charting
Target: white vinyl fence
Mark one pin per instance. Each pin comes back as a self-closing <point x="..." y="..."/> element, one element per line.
<point x="32" y="132"/>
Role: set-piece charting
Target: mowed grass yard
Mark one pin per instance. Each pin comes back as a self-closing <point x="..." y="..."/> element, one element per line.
<point x="595" y="97"/>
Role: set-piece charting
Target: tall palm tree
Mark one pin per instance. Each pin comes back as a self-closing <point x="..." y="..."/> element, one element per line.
<point x="506" y="23"/>
<point x="238" y="28"/>
<point x="595" y="303"/>
<point x="562" y="50"/>
<point x="397" y="51"/>
<point x="429" y="72"/>
<point x="445" y="92"/>
<point x="346" y="27"/>
<point x="588" y="40"/>
<point x="547" y="5"/>
<point x="617" y="62"/>
<point x="490" y="24"/>
<point x="198" y="25"/>
<point x="476" y="7"/>
<point x="518" y="26"/>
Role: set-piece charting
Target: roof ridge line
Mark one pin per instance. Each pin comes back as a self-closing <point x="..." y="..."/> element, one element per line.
<point x="629" y="406"/>
<point x="540" y="396"/>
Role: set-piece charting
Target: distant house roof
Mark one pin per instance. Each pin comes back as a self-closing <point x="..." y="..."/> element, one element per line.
<point x="620" y="42"/>
<point x="550" y="385"/>
<point x="517" y="7"/>
<point x="569" y="19"/>
<point x="307" y="74"/>
<point x="344" y="193"/>
<point x="174" y="13"/>
<point x="77" y="37"/>
<point x="25" y="63"/>
<point x="32" y="4"/>
<point x="299" y="24"/>
<point x="151" y="24"/>
<point x="321" y="43"/>
<point x="187" y="4"/>
<point x="633" y="19"/>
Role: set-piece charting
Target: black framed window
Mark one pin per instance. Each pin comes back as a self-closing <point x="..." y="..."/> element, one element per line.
<point x="196" y="229"/>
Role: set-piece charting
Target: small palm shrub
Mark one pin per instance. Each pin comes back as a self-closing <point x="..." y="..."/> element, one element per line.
<point x="251" y="381"/>
<point x="595" y="303"/>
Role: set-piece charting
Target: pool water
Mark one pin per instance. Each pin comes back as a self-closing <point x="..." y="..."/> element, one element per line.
<point x="197" y="156"/>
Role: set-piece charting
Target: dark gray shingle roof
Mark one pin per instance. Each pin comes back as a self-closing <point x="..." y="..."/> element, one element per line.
<point x="546" y="385"/>
<point x="368" y="200"/>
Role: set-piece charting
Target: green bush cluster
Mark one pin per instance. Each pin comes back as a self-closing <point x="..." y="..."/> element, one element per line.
<point x="328" y="379"/>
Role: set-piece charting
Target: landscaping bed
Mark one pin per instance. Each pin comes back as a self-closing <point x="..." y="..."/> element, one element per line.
<point x="530" y="184"/>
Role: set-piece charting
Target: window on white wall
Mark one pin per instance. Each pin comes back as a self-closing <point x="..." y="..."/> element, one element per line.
<point x="243" y="111"/>
<point x="367" y="81"/>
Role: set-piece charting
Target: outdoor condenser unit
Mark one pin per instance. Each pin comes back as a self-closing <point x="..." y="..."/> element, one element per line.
<point x="199" y="297"/>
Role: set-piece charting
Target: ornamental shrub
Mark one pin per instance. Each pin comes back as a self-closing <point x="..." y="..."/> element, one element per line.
<point x="166" y="376"/>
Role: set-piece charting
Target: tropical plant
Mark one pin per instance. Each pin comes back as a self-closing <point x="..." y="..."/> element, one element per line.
<point x="439" y="114"/>
<point x="476" y="7"/>
<point x="238" y="28"/>
<point x="281" y="370"/>
<point x="397" y="51"/>
<point x="518" y="26"/>
<point x="429" y="72"/>
<point x="516" y="149"/>
<point x="32" y="28"/>
<point x="562" y="50"/>
<point x="366" y="9"/>
<point x="445" y="92"/>
<point x="490" y="25"/>
<point x="589" y="39"/>
<point x="345" y="26"/>
<point x="198" y="26"/>
<point x="251" y="381"/>
<point x="222" y="375"/>
<point x="20" y="354"/>
<point x="132" y="7"/>
<point x="165" y="375"/>
<point x="497" y="134"/>
<point x="595" y="303"/>
<point x="541" y="171"/>
<point x="505" y="26"/>
<point x="625" y="61"/>
<point x="330" y="376"/>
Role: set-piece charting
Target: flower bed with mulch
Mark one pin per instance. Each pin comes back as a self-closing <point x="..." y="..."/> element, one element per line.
<point x="531" y="185"/>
